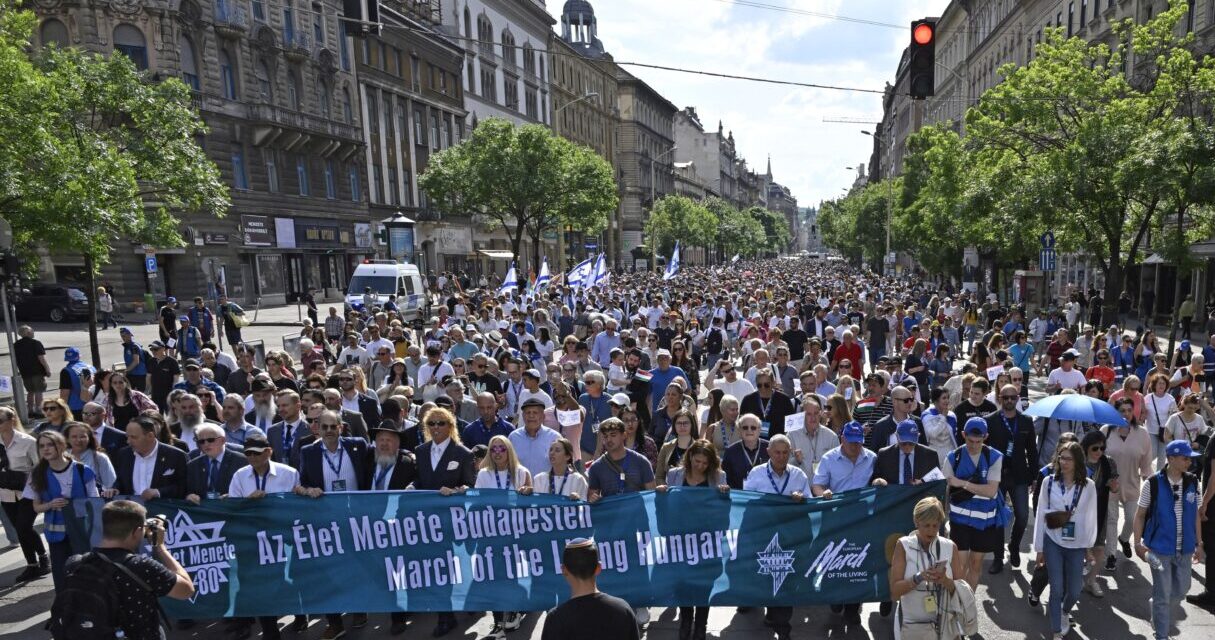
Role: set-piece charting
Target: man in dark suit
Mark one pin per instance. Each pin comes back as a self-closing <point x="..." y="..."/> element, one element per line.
<point x="262" y="416"/>
<point x="1012" y="433"/>
<point x="368" y="405"/>
<point x="286" y="436"/>
<point x="108" y="437"/>
<point x="209" y="475"/>
<point x="389" y="468"/>
<point x="768" y="402"/>
<point x="444" y="465"/>
<point x="902" y="402"/>
<point x="333" y="464"/>
<point x="148" y="469"/>
<point x="354" y="421"/>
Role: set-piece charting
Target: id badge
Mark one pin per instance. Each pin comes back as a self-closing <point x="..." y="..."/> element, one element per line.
<point x="622" y="476"/>
<point x="930" y="604"/>
<point x="337" y="485"/>
<point x="212" y="495"/>
<point x="1068" y="532"/>
<point x="763" y="428"/>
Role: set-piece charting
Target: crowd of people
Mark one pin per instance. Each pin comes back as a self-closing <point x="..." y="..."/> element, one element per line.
<point x="793" y="377"/>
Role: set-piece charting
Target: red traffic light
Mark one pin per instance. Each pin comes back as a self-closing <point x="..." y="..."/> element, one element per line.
<point x="923" y="33"/>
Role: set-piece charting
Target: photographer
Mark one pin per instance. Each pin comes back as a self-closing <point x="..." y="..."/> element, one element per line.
<point x="133" y="582"/>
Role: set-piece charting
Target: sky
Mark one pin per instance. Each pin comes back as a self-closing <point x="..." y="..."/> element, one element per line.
<point x="725" y="36"/>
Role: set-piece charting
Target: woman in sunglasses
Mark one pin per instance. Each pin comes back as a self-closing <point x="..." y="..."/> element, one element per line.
<point x="21" y="453"/>
<point x="57" y="415"/>
<point x="1104" y="474"/>
<point x="501" y="470"/>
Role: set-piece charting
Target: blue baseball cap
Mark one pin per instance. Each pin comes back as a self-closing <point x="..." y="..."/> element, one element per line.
<point x="1180" y="448"/>
<point x="976" y="426"/>
<point x="170" y="299"/>
<point x="71" y="354"/>
<point x="1185" y="344"/>
<point x="126" y="330"/>
<point x="908" y="431"/>
<point x="854" y="432"/>
<point x="183" y="318"/>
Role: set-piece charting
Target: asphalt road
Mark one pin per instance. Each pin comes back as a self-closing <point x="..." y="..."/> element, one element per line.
<point x="1122" y="614"/>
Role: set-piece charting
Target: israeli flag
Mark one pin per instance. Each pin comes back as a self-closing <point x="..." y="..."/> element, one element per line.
<point x="580" y="275"/>
<point x="545" y="277"/>
<point x="734" y="259"/>
<point x="673" y="264"/>
<point x="510" y="284"/>
<point x="600" y="274"/>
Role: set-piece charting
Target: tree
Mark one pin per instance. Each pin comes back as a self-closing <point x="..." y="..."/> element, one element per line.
<point x="856" y="224"/>
<point x="776" y="229"/>
<point x="680" y="218"/>
<point x="92" y="152"/>
<point x="526" y="178"/>
<point x="738" y="233"/>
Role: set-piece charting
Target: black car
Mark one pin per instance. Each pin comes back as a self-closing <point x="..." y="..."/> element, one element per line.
<point x="54" y="302"/>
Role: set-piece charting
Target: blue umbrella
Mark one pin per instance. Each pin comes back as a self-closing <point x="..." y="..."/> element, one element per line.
<point x="1074" y="406"/>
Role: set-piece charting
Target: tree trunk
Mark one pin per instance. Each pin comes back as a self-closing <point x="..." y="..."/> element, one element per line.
<point x="90" y="293"/>
<point x="536" y="252"/>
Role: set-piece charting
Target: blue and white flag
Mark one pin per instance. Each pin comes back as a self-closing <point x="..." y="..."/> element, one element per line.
<point x="580" y="275"/>
<point x="545" y="277"/>
<point x="600" y="275"/>
<point x="673" y="264"/>
<point x="510" y="284"/>
<point x="734" y="259"/>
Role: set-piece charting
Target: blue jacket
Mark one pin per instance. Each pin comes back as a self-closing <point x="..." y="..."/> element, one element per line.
<point x="75" y="371"/>
<point x="1160" y="531"/>
<point x="976" y="512"/>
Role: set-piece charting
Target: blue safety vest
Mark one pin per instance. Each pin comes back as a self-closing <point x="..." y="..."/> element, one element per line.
<point x="976" y="512"/>
<point x="1160" y="532"/>
<point x="54" y="526"/>
<point x="76" y="375"/>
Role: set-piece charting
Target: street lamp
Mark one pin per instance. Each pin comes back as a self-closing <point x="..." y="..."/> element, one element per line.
<point x="589" y="95"/>
<point x="889" y="197"/>
<point x="561" y="234"/>
<point x="654" y="198"/>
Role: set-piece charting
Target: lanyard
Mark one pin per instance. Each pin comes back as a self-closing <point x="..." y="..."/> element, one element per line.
<point x="1079" y="488"/>
<point x="1011" y="425"/>
<point x="382" y="476"/>
<point x="510" y="482"/>
<point x="752" y="460"/>
<point x="552" y="483"/>
<point x="764" y="409"/>
<point x="621" y="469"/>
<point x="725" y="442"/>
<point x="341" y="456"/>
<point x="772" y="480"/>
<point x="259" y="482"/>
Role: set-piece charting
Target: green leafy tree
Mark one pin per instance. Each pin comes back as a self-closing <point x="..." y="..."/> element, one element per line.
<point x="738" y="232"/>
<point x="932" y="224"/>
<point x="680" y="218"/>
<point x="92" y="152"/>
<point x="776" y="229"/>
<point x="527" y="179"/>
<point x="855" y="225"/>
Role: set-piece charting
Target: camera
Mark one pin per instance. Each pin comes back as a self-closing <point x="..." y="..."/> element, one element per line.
<point x="154" y="530"/>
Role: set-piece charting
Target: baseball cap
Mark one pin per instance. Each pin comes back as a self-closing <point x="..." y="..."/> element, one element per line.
<point x="853" y="432"/>
<point x="71" y="354"/>
<point x="170" y="299"/>
<point x="909" y="431"/>
<point x="1180" y="448"/>
<point x="1070" y="354"/>
<point x="664" y="352"/>
<point x="256" y="443"/>
<point x="155" y="344"/>
<point x="1185" y="344"/>
<point x="532" y="402"/>
<point x="126" y="330"/>
<point x="976" y="426"/>
<point x="191" y="364"/>
<point x="183" y="318"/>
<point x="620" y="400"/>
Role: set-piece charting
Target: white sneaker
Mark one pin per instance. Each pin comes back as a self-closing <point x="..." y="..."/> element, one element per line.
<point x="497" y="634"/>
<point x="1096" y="590"/>
<point x="643" y="616"/>
<point x="512" y="621"/>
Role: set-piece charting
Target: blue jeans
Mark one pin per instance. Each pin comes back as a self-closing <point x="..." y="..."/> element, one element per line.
<point x="1169" y="585"/>
<point x="1020" y="504"/>
<point x="1065" y="570"/>
<point x="876" y="351"/>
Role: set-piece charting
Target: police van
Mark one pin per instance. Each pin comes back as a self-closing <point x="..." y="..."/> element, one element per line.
<point x="385" y="278"/>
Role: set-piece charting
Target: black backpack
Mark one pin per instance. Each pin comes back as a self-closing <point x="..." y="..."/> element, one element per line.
<point x="86" y="606"/>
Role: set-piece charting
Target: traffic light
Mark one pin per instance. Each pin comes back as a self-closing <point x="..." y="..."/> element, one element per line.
<point x="921" y="67"/>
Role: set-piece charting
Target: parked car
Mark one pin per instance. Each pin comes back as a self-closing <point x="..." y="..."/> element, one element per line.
<point x="54" y="302"/>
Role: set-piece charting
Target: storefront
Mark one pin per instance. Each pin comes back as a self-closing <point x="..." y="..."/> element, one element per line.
<point x="287" y="257"/>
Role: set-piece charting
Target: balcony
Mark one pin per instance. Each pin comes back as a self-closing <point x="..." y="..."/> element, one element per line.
<point x="231" y="22"/>
<point x="297" y="46"/>
<point x="294" y="131"/>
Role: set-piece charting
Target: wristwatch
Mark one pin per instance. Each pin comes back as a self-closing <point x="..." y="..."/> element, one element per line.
<point x="918" y="578"/>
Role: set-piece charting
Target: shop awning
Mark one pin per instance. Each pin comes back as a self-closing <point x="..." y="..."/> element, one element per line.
<point x="496" y="254"/>
<point x="1155" y="258"/>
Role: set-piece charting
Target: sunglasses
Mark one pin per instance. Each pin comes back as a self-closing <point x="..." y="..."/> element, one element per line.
<point x="1098" y="448"/>
<point x="1009" y="397"/>
<point x="748" y="428"/>
<point x="497" y="449"/>
<point x="52" y="407"/>
<point x="436" y="423"/>
<point x="904" y="400"/>
<point x="206" y="440"/>
<point x="345" y="379"/>
<point x="730" y="370"/>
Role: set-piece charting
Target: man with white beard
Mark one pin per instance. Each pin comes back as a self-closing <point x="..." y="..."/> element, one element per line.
<point x="190" y="418"/>
<point x="261" y="414"/>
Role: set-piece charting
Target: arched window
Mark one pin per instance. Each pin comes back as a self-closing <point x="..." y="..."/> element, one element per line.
<point x="130" y="42"/>
<point x="265" y="86"/>
<point x="485" y="29"/>
<point x="509" y="53"/>
<point x="322" y="97"/>
<point x="347" y="106"/>
<point x="467" y="23"/>
<point x="54" y="31"/>
<point x="189" y="63"/>
<point x="227" y="75"/>
<point x="293" y="90"/>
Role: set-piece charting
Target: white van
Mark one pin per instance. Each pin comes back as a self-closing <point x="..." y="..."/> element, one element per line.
<point x="385" y="278"/>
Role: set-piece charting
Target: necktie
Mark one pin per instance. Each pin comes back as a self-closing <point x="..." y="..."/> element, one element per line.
<point x="907" y="477"/>
<point x="211" y="467"/>
<point x="383" y="479"/>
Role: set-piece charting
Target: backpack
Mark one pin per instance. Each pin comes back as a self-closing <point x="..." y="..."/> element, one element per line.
<point x="86" y="606"/>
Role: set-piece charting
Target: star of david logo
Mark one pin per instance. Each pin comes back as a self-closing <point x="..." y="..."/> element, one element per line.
<point x="776" y="562"/>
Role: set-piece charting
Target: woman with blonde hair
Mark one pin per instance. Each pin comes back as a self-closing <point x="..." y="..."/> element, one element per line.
<point x="838" y="412"/>
<point x="500" y="469"/>
<point x="922" y="575"/>
<point x="21" y="449"/>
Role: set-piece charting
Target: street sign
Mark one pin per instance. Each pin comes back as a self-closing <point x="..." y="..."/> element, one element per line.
<point x="149" y="264"/>
<point x="1046" y="260"/>
<point x="1048" y="240"/>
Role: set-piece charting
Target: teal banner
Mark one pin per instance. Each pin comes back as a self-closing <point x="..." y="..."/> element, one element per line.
<point x="490" y="550"/>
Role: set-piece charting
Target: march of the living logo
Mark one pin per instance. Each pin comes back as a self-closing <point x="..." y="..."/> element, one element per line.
<point x="201" y="551"/>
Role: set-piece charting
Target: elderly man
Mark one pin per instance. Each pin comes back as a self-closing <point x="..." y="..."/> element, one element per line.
<point x="210" y="474"/>
<point x="532" y="439"/>
<point x="844" y="468"/>
<point x="780" y="478"/>
<point x="108" y="437"/>
<point x="465" y="407"/>
<point x="232" y="414"/>
<point x="598" y="408"/>
<point x="850" y="350"/>
<point x="760" y="361"/>
<point x="750" y="451"/>
<point x="811" y="441"/>
<point x="389" y="468"/>
<point x="769" y="403"/>
<point x="261" y="415"/>
<point x="605" y="341"/>
<point x="190" y="418"/>
<point x="194" y="380"/>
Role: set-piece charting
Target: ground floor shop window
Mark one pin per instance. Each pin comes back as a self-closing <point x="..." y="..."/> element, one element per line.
<point x="269" y="275"/>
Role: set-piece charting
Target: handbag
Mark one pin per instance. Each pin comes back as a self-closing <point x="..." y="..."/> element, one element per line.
<point x="1056" y="519"/>
<point x="238" y="319"/>
<point x="10" y="479"/>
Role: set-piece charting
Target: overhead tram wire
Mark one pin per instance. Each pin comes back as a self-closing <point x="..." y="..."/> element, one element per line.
<point x="806" y="12"/>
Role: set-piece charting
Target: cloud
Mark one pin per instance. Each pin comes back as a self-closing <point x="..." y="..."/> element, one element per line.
<point x="808" y="155"/>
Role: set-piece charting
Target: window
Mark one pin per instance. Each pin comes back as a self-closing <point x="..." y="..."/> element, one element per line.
<point x="434" y="131"/>
<point x="444" y="134"/>
<point x="259" y="10"/>
<point x="376" y="190"/>
<point x="373" y="118"/>
<point x="415" y="73"/>
<point x="265" y="86"/>
<point x="1083" y="12"/>
<point x="347" y="107"/>
<point x="344" y="51"/>
<point x="418" y="138"/>
<point x="301" y="174"/>
<point x="240" y="177"/>
<point x="318" y="23"/>
<point x="353" y="174"/>
<point x="510" y="91"/>
<point x="53" y="31"/>
<point x="189" y="64"/>
<point x="509" y="53"/>
<point x="472" y="78"/>
<point x="130" y="42"/>
<point x="1071" y="15"/>
<point x="330" y="181"/>
<point x="293" y="90"/>
<point x="467" y="23"/>
<point x="271" y="170"/>
<point x="288" y="24"/>
<point x="529" y="60"/>
<point x="227" y="75"/>
<point x="531" y="105"/>
<point x="394" y="195"/>
<point x="322" y="97"/>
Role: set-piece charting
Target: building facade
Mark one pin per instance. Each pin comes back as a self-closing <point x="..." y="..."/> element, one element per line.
<point x="275" y="84"/>
<point x="782" y="201"/>
<point x="647" y="146"/>
<point x="585" y="109"/>
<point x="409" y="78"/>
<point x="711" y="152"/>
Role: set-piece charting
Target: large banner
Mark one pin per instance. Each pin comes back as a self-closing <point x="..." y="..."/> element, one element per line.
<point x="491" y="550"/>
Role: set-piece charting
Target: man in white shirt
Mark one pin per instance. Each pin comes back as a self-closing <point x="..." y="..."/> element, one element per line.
<point x="730" y="383"/>
<point x="810" y="440"/>
<point x="778" y="477"/>
<point x="1067" y="376"/>
<point x="533" y="440"/>
<point x="431" y="374"/>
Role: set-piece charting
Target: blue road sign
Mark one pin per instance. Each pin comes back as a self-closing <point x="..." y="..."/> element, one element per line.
<point x="1046" y="260"/>
<point x="1048" y="240"/>
<point x="149" y="263"/>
